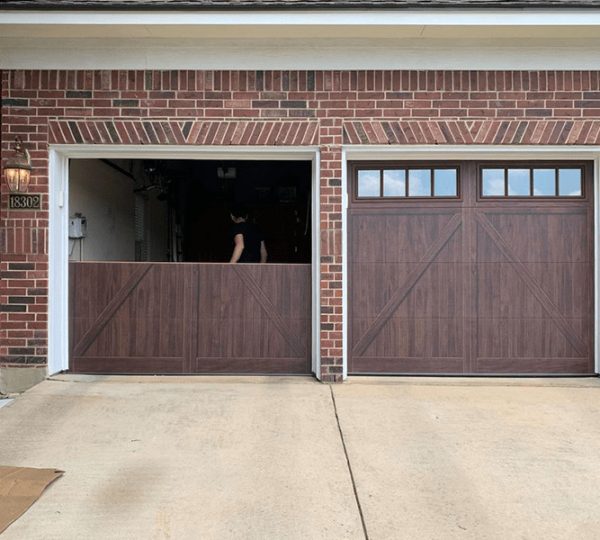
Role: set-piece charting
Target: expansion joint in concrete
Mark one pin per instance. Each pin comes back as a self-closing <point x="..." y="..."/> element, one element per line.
<point x="356" y="497"/>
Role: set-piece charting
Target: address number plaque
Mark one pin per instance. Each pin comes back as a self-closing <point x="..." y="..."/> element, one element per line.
<point x="20" y="201"/>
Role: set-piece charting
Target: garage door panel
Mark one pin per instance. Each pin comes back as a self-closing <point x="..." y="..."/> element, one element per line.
<point x="250" y="365"/>
<point x="225" y="295"/>
<point x="452" y="251"/>
<point x="438" y="292"/>
<point x="126" y="311"/>
<point x="533" y="236"/>
<point x="137" y="336"/>
<point x="131" y="329"/>
<point x="286" y="286"/>
<point x="412" y="234"/>
<point x="502" y="293"/>
<point x="415" y="234"/>
<point x="255" y="320"/>
<point x="505" y="284"/>
<point x="227" y="338"/>
<point x="127" y="364"/>
<point x="228" y="344"/>
<point x="292" y="295"/>
<point x="367" y="231"/>
<point x="567" y="285"/>
<point x="533" y="366"/>
<point x="214" y="337"/>
<point x="528" y="338"/>
<point x="257" y="338"/>
<point x="88" y="281"/>
<point x="409" y="339"/>
<point x="190" y="318"/>
<point x="415" y="337"/>
<point x="378" y="283"/>
<point x="404" y="365"/>
<point x="358" y="328"/>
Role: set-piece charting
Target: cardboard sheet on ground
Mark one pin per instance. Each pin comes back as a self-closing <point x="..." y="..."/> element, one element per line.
<point x="20" y="487"/>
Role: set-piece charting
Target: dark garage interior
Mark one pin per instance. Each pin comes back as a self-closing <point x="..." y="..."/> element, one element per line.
<point x="179" y="210"/>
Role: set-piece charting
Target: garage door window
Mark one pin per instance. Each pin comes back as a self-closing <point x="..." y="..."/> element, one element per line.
<point x="394" y="183"/>
<point x="569" y="182"/>
<point x="445" y="183"/>
<point x="407" y="182"/>
<point x="531" y="182"/>
<point x="369" y="184"/>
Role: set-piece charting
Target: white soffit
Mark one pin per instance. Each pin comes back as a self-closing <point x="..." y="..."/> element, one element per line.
<point x="325" y="39"/>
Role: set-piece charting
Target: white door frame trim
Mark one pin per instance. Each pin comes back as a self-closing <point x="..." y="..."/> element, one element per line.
<point x="58" y="250"/>
<point x="470" y="152"/>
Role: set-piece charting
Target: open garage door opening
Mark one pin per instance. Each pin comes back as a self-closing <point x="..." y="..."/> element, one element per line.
<point x="152" y="289"/>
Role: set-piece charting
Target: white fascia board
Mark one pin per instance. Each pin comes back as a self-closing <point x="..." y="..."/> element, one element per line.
<point x="260" y="24"/>
<point x="338" y="23"/>
<point x="363" y="17"/>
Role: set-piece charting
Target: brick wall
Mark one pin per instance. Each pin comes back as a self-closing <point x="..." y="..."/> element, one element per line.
<point x="324" y="108"/>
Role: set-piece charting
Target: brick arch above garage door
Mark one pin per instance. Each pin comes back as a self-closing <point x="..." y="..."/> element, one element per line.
<point x="306" y="133"/>
<point x="194" y="132"/>
<point x="501" y="132"/>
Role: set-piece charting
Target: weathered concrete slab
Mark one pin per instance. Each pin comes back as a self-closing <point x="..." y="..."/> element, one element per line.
<point x="475" y="459"/>
<point x="250" y="457"/>
<point x="161" y="457"/>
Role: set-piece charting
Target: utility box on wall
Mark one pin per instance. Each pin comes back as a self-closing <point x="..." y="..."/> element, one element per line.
<point x="77" y="227"/>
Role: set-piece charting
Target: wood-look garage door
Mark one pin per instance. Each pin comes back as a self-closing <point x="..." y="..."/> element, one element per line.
<point x="474" y="268"/>
<point x="189" y="318"/>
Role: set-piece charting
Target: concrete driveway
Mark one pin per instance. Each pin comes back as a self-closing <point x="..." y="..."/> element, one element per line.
<point x="224" y="457"/>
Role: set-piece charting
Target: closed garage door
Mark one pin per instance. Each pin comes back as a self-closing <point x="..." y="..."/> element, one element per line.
<point x="471" y="268"/>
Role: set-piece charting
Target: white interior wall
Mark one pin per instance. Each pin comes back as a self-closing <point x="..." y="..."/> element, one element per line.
<point x="105" y="197"/>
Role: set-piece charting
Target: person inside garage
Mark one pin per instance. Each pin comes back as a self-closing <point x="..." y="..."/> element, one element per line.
<point x="248" y="241"/>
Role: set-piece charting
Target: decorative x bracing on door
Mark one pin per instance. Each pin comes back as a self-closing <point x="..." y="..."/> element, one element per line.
<point x="531" y="283"/>
<point x="411" y="280"/>
<point x="270" y="310"/>
<point x="110" y="309"/>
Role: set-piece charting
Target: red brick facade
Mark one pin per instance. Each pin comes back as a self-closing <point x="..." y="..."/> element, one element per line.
<point x="327" y="109"/>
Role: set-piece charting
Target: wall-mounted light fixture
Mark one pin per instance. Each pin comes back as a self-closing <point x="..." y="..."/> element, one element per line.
<point x="17" y="169"/>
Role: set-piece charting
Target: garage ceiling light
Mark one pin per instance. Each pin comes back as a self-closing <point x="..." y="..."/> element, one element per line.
<point x="228" y="173"/>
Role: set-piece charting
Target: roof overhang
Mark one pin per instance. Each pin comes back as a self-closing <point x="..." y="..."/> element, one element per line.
<point x="393" y="24"/>
<point x="302" y="39"/>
